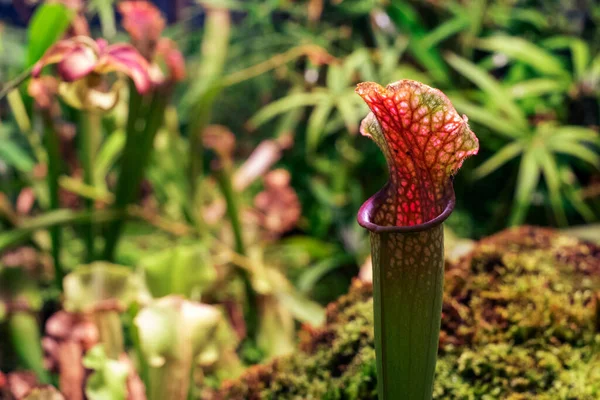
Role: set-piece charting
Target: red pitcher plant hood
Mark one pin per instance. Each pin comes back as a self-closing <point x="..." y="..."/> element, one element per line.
<point x="424" y="141"/>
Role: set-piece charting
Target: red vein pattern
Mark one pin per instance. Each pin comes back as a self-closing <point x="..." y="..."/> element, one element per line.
<point x="424" y="140"/>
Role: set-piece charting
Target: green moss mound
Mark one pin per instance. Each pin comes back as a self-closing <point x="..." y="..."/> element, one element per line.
<point x="521" y="320"/>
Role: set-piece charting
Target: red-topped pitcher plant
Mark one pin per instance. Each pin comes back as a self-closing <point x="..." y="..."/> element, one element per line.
<point x="424" y="141"/>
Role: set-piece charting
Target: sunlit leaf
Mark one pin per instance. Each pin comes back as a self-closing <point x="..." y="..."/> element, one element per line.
<point x="301" y="307"/>
<point x="47" y="25"/>
<point x="316" y="124"/>
<point x="287" y="103"/>
<point x="446" y="30"/>
<point x="580" y="53"/>
<point x="530" y="15"/>
<point x="524" y="51"/>
<point x="553" y="181"/>
<point x="577" y="150"/>
<point x="529" y="175"/>
<point x="107" y="156"/>
<point x="487" y="118"/>
<point x="489" y="85"/>
<point x="538" y="87"/>
<point x="314" y="273"/>
<point x="407" y="19"/>
<point x="499" y="158"/>
<point x="576" y="133"/>
<point x="13" y="155"/>
<point x="336" y="79"/>
<point x="360" y="60"/>
<point x="348" y="111"/>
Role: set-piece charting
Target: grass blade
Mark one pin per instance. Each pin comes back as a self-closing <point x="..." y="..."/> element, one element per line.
<point x="529" y="175"/>
<point x="526" y="52"/>
<point x="496" y="93"/>
<point x="499" y="158"/>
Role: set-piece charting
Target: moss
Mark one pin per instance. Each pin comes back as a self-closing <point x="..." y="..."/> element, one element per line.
<point x="520" y="322"/>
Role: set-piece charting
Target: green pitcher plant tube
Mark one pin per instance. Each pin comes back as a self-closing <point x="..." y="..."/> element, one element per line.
<point x="424" y="141"/>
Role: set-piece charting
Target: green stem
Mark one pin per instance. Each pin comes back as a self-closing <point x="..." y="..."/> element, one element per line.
<point x="54" y="218"/>
<point x="251" y="313"/>
<point x="233" y="212"/>
<point x="19" y="112"/>
<point x="89" y="136"/>
<point x="408" y="277"/>
<point x="52" y="143"/>
<point x="203" y="94"/>
<point x="137" y="151"/>
<point x="25" y="337"/>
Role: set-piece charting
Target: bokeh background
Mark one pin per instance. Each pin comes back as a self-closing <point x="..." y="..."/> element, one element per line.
<point x="236" y="183"/>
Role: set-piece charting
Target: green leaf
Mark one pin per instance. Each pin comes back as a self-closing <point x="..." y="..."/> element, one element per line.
<point x="407" y="20"/>
<point x="575" y="133"/>
<point x="25" y="341"/>
<point x="580" y="54"/>
<point x="538" y="87"/>
<point x="336" y="79"/>
<point x="287" y="103"/>
<point x="47" y="25"/>
<point x="499" y="158"/>
<point x="576" y="200"/>
<point x="484" y="117"/>
<point x="301" y="307"/>
<point x="314" y="273"/>
<point x="531" y="16"/>
<point x="529" y="175"/>
<point x="212" y="60"/>
<point x="577" y="150"/>
<point x="552" y="177"/>
<point x="54" y="218"/>
<point x="14" y="156"/>
<point x="496" y="93"/>
<point x="445" y="31"/>
<point x="316" y="124"/>
<point x="311" y="246"/>
<point x="362" y="61"/>
<point x="106" y="15"/>
<point x="557" y="42"/>
<point x="107" y="156"/>
<point x="526" y="52"/>
<point x="346" y="105"/>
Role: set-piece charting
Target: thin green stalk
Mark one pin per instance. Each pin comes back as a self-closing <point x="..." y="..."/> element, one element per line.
<point x="19" y="112"/>
<point x="408" y="277"/>
<point x="89" y="138"/>
<point x="224" y="181"/>
<point x="137" y="151"/>
<point x="202" y="95"/>
<point x="52" y="143"/>
<point x="54" y="218"/>
<point x="25" y="338"/>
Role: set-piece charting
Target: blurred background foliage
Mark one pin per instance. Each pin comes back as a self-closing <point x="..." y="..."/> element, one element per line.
<point x="241" y="187"/>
